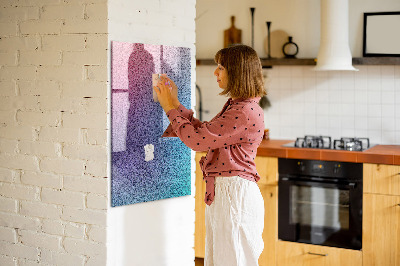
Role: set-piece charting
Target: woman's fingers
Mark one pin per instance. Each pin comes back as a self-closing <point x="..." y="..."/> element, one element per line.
<point x="166" y="81"/>
<point x="161" y="89"/>
<point x="164" y="97"/>
<point x="161" y="84"/>
<point x="164" y="86"/>
<point x="173" y="89"/>
<point x="157" y="90"/>
<point x="171" y="82"/>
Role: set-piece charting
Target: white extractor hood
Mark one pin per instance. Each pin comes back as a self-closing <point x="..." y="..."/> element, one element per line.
<point x="334" y="51"/>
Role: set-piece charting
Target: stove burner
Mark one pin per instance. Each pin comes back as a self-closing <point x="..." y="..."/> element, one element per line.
<point x="324" y="142"/>
<point x="351" y="144"/>
<point x="308" y="141"/>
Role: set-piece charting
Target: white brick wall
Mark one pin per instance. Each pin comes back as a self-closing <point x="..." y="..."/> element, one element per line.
<point x="53" y="127"/>
<point x="53" y="121"/>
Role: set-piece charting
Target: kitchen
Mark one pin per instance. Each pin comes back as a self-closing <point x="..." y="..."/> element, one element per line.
<point x="55" y="143"/>
<point x="304" y="102"/>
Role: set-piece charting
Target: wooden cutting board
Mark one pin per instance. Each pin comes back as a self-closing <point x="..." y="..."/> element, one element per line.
<point x="232" y="35"/>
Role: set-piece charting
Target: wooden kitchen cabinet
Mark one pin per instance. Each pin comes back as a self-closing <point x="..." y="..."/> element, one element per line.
<point x="381" y="230"/>
<point x="267" y="168"/>
<point x="381" y="179"/>
<point x="270" y="233"/>
<point x="298" y="254"/>
<point x="200" y="207"/>
<point x="381" y="215"/>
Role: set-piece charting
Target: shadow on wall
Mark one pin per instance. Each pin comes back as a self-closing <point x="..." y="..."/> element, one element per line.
<point x="144" y="125"/>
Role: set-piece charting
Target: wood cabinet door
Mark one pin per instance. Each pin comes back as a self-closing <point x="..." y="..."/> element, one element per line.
<point x="381" y="179"/>
<point x="381" y="230"/>
<point x="267" y="168"/>
<point x="297" y="254"/>
<point x="200" y="207"/>
<point x="270" y="233"/>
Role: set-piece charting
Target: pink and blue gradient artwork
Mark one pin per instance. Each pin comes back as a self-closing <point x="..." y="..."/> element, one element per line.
<point x="145" y="166"/>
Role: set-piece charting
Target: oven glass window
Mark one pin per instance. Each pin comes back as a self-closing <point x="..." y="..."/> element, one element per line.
<point x="318" y="207"/>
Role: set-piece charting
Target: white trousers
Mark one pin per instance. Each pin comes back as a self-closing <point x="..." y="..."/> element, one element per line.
<point x="234" y="223"/>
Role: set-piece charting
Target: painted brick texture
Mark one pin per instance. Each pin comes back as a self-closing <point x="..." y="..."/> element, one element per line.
<point x="53" y="132"/>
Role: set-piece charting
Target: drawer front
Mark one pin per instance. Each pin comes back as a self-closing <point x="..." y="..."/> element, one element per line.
<point x="294" y="254"/>
<point x="381" y="179"/>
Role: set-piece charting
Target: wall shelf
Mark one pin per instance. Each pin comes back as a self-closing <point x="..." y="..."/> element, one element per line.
<point x="312" y="61"/>
<point x="376" y="61"/>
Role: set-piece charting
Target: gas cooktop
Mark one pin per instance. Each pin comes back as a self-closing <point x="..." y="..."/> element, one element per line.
<point x="325" y="142"/>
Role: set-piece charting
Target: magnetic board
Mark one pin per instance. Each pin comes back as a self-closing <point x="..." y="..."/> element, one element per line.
<point x="145" y="166"/>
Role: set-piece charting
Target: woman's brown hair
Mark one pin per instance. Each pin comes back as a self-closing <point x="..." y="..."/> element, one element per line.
<point x="245" y="78"/>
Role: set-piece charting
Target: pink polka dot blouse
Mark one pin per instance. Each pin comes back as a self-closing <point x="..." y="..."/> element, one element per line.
<point x="231" y="139"/>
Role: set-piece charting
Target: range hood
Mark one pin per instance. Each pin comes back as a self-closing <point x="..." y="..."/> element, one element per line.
<point x="334" y="51"/>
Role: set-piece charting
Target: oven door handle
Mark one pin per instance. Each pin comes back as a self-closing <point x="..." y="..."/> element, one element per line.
<point x="330" y="184"/>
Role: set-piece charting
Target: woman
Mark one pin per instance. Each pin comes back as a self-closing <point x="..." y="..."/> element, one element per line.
<point x="235" y="207"/>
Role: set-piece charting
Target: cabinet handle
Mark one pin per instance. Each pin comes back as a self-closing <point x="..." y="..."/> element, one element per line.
<point x="318" y="254"/>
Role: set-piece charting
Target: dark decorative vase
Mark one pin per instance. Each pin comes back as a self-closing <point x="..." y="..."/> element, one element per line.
<point x="290" y="49"/>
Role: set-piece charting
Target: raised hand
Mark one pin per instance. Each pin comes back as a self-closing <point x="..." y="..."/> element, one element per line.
<point x="174" y="89"/>
<point x="164" y="94"/>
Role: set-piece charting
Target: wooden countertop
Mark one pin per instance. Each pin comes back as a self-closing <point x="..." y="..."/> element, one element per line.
<point x="379" y="154"/>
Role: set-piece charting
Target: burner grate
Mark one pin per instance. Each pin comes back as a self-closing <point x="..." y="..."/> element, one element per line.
<point x="324" y="142"/>
<point x="320" y="142"/>
<point x="351" y="144"/>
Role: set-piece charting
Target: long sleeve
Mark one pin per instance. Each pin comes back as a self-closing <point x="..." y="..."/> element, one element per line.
<point x="224" y="130"/>
<point x="188" y="114"/>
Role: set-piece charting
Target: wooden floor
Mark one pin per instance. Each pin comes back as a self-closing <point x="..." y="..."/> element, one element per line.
<point x="199" y="262"/>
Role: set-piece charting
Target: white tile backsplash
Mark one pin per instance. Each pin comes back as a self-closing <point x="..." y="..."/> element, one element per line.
<point x="388" y="110"/>
<point x="387" y="72"/>
<point x="374" y="84"/>
<point x="361" y="110"/>
<point x="388" y="83"/>
<point x="387" y="124"/>
<point x="388" y="97"/>
<point x="364" y="103"/>
<point x="347" y="110"/>
<point x="361" y="124"/>
<point x="322" y="95"/>
<point x="348" y="95"/>
<point x="374" y="97"/>
<point x="374" y="110"/>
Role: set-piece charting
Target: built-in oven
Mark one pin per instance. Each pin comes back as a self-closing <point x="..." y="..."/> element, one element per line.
<point x="320" y="202"/>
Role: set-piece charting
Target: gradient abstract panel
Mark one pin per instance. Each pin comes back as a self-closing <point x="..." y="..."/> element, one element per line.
<point x="144" y="166"/>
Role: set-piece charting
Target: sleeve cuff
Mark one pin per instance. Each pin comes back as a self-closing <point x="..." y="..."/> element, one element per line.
<point x="169" y="132"/>
<point x="172" y="114"/>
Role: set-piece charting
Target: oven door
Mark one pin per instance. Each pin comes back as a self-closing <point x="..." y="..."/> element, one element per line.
<point x="321" y="212"/>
